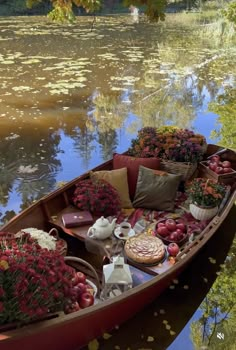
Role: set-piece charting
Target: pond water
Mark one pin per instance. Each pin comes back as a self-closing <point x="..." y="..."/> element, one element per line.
<point x="71" y="96"/>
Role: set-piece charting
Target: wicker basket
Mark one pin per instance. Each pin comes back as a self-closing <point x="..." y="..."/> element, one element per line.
<point x="180" y="168"/>
<point x="75" y="262"/>
<point x="61" y="244"/>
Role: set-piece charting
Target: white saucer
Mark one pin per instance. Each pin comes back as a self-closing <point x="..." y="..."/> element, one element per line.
<point x="117" y="234"/>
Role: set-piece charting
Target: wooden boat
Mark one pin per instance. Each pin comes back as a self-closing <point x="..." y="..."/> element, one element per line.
<point x="72" y="331"/>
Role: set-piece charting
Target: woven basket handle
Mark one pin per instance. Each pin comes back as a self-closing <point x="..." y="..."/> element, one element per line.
<point x="85" y="263"/>
<point x="53" y="232"/>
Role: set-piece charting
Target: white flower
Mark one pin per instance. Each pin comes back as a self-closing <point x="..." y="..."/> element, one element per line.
<point x="44" y="239"/>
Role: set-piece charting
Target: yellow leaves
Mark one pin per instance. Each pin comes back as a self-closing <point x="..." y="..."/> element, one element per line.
<point x="150" y="339"/>
<point x="212" y="260"/>
<point x="93" y="345"/>
<point x="106" y="336"/>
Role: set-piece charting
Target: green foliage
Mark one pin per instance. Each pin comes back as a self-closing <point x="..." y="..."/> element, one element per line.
<point x="225" y="107"/>
<point x="218" y="310"/>
<point x="230" y="12"/>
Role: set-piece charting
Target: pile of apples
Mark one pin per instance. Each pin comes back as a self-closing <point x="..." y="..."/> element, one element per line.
<point x="218" y="166"/>
<point x="172" y="230"/>
<point x="81" y="294"/>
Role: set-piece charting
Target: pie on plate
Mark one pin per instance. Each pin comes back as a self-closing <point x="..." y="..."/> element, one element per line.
<point x="145" y="249"/>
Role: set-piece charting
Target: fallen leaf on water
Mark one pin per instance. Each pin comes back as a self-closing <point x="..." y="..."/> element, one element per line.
<point x="165" y="321"/>
<point x="168" y="326"/>
<point x="106" y="336"/>
<point x="172" y="332"/>
<point x="212" y="260"/>
<point x="175" y="281"/>
<point x="162" y="311"/>
<point x="117" y="347"/>
<point x="150" y="339"/>
<point x="172" y="287"/>
<point x="155" y="314"/>
<point x="93" y="345"/>
<point x="185" y="286"/>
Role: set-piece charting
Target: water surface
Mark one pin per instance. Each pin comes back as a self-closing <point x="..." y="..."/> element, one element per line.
<point x="70" y="96"/>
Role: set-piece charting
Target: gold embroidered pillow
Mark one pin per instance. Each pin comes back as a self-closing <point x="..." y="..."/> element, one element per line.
<point x="156" y="189"/>
<point x="118" y="179"/>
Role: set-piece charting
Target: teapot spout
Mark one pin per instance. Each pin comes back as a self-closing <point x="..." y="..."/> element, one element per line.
<point x="113" y="223"/>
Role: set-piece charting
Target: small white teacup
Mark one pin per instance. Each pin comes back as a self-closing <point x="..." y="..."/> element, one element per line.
<point x="125" y="227"/>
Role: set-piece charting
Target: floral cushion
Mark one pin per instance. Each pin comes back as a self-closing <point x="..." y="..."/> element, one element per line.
<point x="156" y="189"/>
<point x="118" y="179"/>
<point x="132" y="164"/>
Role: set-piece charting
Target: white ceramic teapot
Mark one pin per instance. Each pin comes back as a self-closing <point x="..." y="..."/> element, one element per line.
<point x="102" y="228"/>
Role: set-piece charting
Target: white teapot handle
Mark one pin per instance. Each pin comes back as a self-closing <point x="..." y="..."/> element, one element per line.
<point x="91" y="232"/>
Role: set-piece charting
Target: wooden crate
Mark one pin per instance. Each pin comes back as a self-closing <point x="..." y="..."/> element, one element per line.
<point x="227" y="179"/>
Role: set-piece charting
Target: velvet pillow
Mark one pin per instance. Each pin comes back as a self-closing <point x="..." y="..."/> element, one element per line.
<point x="156" y="189"/>
<point x="118" y="179"/>
<point x="132" y="164"/>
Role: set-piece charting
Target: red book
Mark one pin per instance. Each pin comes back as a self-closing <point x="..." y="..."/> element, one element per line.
<point x="78" y="218"/>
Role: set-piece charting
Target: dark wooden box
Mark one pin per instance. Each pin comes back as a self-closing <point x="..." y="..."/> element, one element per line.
<point x="227" y="179"/>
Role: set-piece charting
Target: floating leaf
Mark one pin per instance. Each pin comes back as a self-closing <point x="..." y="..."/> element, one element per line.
<point x="168" y="326"/>
<point x="150" y="339"/>
<point x="93" y="345"/>
<point x="106" y="336"/>
<point x="162" y="311"/>
<point x="186" y="286"/>
<point x="172" y="332"/>
<point x="212" y="260"/>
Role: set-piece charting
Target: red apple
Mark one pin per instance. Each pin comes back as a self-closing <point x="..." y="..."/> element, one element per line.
<point x="227" y="170"/>
<point x="86" y="299"/>
<point x="160" y="224"/>
<point x="81" y="277"/>
<point x="215" y="158"/>
<point x="163" y="231"/>
<point x="213" y="166"/>
<point x="179" y="221"/>
<point x="170" y="224"/>
<point x="75" y="279"/>
<point x="181" y="227"/>
<point x="219" y="170"/>
<point x="173" y="236"/>
<point x="226" y="164"/>
<point x="173" y="249"/>
<point x="81" y="287"/>
<point x="69" y="308"/>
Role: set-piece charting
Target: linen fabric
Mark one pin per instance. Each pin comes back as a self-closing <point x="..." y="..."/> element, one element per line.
<point x="156" y="189"/>
<point x="118" y="179"/>
<point x="132" y="164"/>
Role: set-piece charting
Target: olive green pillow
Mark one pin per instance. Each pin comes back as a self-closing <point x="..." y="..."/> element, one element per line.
<point x="156" y="189"/>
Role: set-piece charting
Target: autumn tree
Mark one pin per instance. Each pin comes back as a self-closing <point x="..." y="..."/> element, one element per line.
<point x="63" y="9"/>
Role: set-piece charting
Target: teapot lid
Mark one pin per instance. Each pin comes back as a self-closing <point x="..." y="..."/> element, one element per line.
<point x="102" y="221"/>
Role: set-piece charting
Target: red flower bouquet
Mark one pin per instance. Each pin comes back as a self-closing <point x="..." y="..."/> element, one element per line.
<point x="33" y="281"/>
<point x="98" y="197"/>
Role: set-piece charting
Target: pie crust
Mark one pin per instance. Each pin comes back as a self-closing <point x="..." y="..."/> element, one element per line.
<point x="145" y="249"/>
